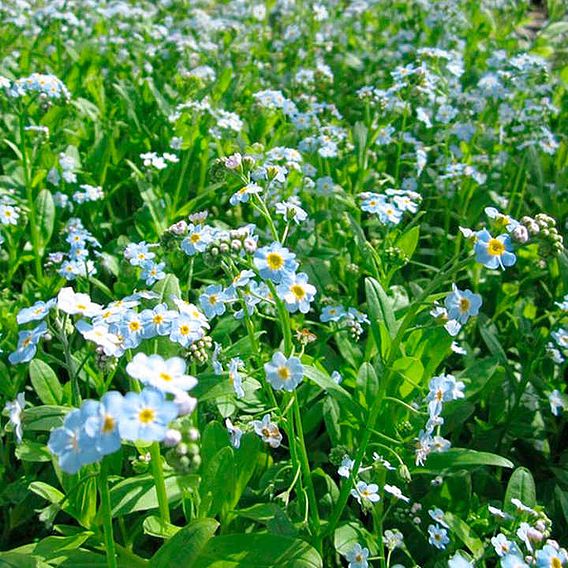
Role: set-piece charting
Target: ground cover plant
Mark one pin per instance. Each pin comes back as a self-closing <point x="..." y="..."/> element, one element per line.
<point x="283" y="283"/>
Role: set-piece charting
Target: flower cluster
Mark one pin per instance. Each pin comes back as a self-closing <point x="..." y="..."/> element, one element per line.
<point x="391" y="205"/>
<point x="140" y="255"/>
<point x="443" y="388"/>
<point x="45" y="86"/>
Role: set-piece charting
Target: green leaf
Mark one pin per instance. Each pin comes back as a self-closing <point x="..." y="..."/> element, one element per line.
<point x="13" y="559"/>
<point x="461" y="458"/>
<point x="155" y="526"/>
<point x="258" y="551"/>
<point x="348" y="535"/>
<point x="521" y="486"/>
<point x="139" y="494"/>
<point x="44" y="418"/>
<point x="367" y="384"/>
<point x="83" y="499"/>
<point x="218" y="483"/>
<point x="381" y="314"/>
<point x="407" y="242"/>
<point x="45" y="217"/>
<point x="324" y="381"/>
<point x="184" y="547"/>
<point x="167" y="288"/>
<point x="245" y="460"/>
<point x="489" y="334"/>
<point x="46" y="491"/>
<point x="465" y="533"/>
<point x="56" y="546"/>
<point x="32" y="452"/>
<point x="261" y="512"/>
<point x="45" y="383"/>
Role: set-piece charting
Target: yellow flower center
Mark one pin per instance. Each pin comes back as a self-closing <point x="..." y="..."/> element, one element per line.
<point x="134" y="325"/>
<point x="81" y="307"/>
<point x="298" y="291"/>
<point x="284" y="373"/>
<point x="495" y="247"/>
<point x="195" y="238"/>
<point x="184" y="329"/>
<point x="147" y="415"/>
<point x="166" y="377"/>
<point x="556" y="562"/>
<point x="213" y="299"/>
<point x="464" y="305"/>
<point x="158" y="318"/>
<point x="274" y="260"/>
<point x="108" y="424"/>
<point x="26" y="341"/>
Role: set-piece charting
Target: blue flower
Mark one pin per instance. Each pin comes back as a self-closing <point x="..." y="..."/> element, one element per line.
<point x="282" y="373"/>
<point x="268" y="431"/>
<point x="235" y="434"/>
<point x="71" y="444"/>
<point x="102" y="425"/>
<point x="198" y="239"/>
<point x="157" y="321"/>
<point x="513" y="561"/>
<point x="274" y="262"/>
<point x="185" y="330"/>
<point x="458" y="561"/>
<point x="138" y="253"/>
<point x="27" y="344"/>
<point x="146" y="416"/>
<point x="357" y="557"/>
<point x="438" y="537"/>
<point x="366" y="493"/>
<point x="494" y="252"/>
<point x="296" y="292"/>
<point x="213" y="301"/>
<point x="443" y="388"/>
<point x="251" y="296"/>
<point x="332" y="313"/>
<point x="130" y="329"/>
<point x="462" y="304"/>
<point x="152" y="272"/>
<point x="372" y="202"/>
<point x="235" y="364"/>
<point x="551" y="557"/>
<point x="36" y="312"/>
<point x="243" y="194"/>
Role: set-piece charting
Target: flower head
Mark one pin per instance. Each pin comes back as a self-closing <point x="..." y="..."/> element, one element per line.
<point x="284" y="373"/>
<point x="146" y="416"/>
<point x="494" y="252"/>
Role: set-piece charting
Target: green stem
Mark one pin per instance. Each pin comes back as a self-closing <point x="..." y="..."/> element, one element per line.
<point x="284" y="319"/>
<point x="159" y="480"/>
<point x="106" y="513"/>
<point x="268" y="217"/>
<point x="446" y="271"/>
<point x="30" y="198"/>
<point x="306" y="472"/>
<point x="70" y="364"/>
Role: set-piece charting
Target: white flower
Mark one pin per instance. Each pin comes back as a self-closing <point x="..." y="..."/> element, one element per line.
<point x="366" y="493"/>
<point x="15" y="409"/>
<point x="99" y="333"/>
<point x="396" y="492"/>
<point x="71" y="303"/>
<point x="164" y="375"/>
